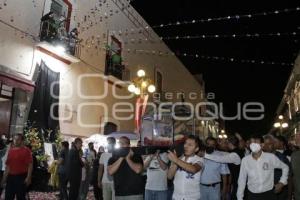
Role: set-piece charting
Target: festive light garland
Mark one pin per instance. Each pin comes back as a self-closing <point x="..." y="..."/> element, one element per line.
<point x="160" y="53"/>
<point x="247" y="35"/>
<point x="224" y="18"/>
<point x="230" y="17"/>
<point x="232" y="59"/>
<point x="207" y="57"/>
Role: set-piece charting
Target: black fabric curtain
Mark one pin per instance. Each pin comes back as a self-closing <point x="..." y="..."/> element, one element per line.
<point x="39" y="114"/>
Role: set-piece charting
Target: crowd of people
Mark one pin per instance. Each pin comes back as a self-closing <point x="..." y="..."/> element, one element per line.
<point x="260" y="168"/>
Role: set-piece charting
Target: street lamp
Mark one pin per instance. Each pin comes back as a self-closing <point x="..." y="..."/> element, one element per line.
<point x="281" y="124"/>
<point x="223" y="135"/>
<point x="141" y="85"/>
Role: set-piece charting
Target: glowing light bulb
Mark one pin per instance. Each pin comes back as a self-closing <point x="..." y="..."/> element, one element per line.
<point x="141" y="73"/>
<point x="131" y="88"/>
<point x="151" y="88"/>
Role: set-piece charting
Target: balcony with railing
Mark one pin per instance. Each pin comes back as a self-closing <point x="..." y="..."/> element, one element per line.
<point x="56" y="40"/>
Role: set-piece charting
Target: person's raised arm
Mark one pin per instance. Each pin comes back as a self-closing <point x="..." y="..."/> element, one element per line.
<point x="148" y="160"/>
<point x="225" y="158"/>
<point x="136" y="166"/>
<point x="162" y="164"/>
<point x="172" y="170"/>
<point x="114" y="167"/>
<point x="192" y="168"/>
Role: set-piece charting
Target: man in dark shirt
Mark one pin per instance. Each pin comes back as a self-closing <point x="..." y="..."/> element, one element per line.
<point x="126" y="168"/>
<point x="280" y="147"/>
<point x="74" y="168"/>
<point x="62" y="161"/>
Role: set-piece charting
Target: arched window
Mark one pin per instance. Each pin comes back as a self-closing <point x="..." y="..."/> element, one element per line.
<point x="110" y="128"/>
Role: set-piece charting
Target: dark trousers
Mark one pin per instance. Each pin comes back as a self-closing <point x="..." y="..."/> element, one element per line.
<point x="234" y="188"/>
<point x="63" y="182"/>
<point x="97" y="191"/>
<point x="15" y="186"/>
<point x="269" y="195"/>
<point x="283" y="195"/>
<point x="1" y="176"/>
<point x="74" y="187"/>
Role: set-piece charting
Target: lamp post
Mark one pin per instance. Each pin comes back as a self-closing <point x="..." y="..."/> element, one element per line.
<point x="141" y="85"/>
<point x="281" y="124"/>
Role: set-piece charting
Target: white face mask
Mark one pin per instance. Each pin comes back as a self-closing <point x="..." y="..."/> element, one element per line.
<point x="255" y="147"/>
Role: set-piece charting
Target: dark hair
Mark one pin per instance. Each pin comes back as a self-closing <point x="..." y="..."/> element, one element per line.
<point x="233" y="140"/>
<point x="77" y="140"/>
<point x="126" y="139"/>
<point x="111" y="140"/>
<point x="282" y="139"/>
<point x="196" y="139"/>
<point x="20" y="135"/>
<point x="2" y="144"/>
<point x="65" y="144"/>
<point x="257" y="137"/>
<point x="210" y="138"/>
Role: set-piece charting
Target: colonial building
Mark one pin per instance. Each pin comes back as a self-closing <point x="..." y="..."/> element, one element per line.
<point x="64" y="64"/>
<point x="287" y="121"/>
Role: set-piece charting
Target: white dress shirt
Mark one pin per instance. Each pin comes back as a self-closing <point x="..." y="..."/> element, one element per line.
<point x="225" y="158"/>
<point x="187" y="185"/>
<point x="259" y="174"/>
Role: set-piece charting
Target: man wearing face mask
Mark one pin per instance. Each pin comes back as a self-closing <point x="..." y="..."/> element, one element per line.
<point x="213" y="174"/>
<point x="234" y="161"/>
<point x="257" y="171"/>
<point x="105" y="181"/>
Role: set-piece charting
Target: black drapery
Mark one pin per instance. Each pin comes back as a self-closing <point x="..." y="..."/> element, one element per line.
<point x="43" y="98"/>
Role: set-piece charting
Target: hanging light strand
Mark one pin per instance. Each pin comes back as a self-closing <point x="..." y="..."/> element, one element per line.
<point x="247" y="35"/>
<point x="127" y="39"/>
<point x="236" y="60"/>
<point x="206" y="57"/>
<point x="227" y="18"/>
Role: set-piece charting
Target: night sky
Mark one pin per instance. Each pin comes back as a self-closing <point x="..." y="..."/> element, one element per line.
<point x="232" y="82"/>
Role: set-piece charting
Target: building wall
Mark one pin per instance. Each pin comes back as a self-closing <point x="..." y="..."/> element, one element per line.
<point x="290" y="103"/>
<point x="18" y="52"/>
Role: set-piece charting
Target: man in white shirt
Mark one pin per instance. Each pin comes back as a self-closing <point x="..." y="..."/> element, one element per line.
<point x="257" y="170"/>
<point x="157" y="169"/>
<point x="105" y="181"/>
<point x="187" y="171"/>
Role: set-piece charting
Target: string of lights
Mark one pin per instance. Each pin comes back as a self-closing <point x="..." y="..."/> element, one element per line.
<point x="128" y="40"/>
<point x="196" y="56"/>
<point x="99" y="19"/>
<point x="236" y="60"/>
<point x="206" y="57"/>
<point x="230" y="17"/>
<point x="224" y="18"/>
<point x="247" y="35"/>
